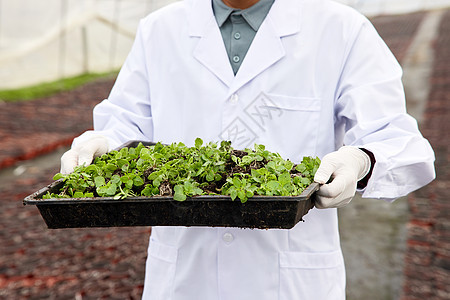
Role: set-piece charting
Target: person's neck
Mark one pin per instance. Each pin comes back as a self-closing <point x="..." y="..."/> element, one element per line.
<point x="240" y="4"/>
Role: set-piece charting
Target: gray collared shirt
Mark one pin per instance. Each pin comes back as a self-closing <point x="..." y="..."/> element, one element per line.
<point x="239" y="27"/>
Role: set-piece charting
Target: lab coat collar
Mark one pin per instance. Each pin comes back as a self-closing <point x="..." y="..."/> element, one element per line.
<point x="286" y="16"/>
<point x="284" y="19"/>
<point x="254" y="15"/>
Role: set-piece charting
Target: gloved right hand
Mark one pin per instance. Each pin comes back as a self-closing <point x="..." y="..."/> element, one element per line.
<point x="345" y="168"/>
<point x="83" y="153"/>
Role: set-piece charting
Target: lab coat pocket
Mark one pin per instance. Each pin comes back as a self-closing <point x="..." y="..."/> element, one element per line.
<point x="160" y="271"/>
<point x="287" y="122"/>
<point x="312" y="276"/>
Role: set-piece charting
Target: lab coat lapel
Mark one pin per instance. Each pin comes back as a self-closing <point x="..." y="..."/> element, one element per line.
<point x="210" y="50"/>
<point x="266" y="49"/>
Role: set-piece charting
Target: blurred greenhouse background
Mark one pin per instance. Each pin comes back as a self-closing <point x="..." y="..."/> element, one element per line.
<point x="51" y="39"/>
<point x="392" y="251"/>
<point x="46" y="40"/>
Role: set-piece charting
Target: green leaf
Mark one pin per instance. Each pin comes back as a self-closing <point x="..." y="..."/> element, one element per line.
<point x="241" y="194"/>
<point x="145" y="153"/>
<point x="288" y="165"/>
<point x="179" y="193"/>
<point x="149" y="191"/>
<point x="237" y="183"/>
<point x="259" y="148"/>
<point x="138" y="181"/>
<point x="198" y="142"/>
<point x="78" y="195"/>
<point x="99" y="181"/>
<point x="111" y="189"/>
<point x="271" y="165"/>
<point x="273" y="185"/>
<point x="115" y="179"/>
<point x="210" y="176"/>
<point x="110" y="167"/>
<point x="197" y="191"/>
<point x="246" y="160"/>
<point x="123" y="152"/>
<point x="58" y="176"/>
<point x="284" y="178"/>
<point x="233" y="194"/>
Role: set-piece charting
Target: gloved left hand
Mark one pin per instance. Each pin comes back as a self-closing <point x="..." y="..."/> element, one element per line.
<point x="84" y="153"/>
<point x="345" y="168"/>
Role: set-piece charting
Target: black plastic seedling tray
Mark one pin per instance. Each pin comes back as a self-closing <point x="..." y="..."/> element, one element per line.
<point x="214" y="211"/>
<point x="257" y="212"/>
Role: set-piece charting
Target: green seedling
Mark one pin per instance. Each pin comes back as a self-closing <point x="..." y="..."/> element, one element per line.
<point x="181" y="172"/>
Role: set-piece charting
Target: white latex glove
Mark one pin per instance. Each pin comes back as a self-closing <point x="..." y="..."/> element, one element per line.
<point x="345" y="167"/>
<point x="83" y="153"/>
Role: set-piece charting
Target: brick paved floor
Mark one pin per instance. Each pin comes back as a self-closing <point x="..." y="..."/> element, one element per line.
<point x="37" y="263"/>
<point x="427" y="265"/>
<point x="31" y="128"/>
<point x="397" y="31"/>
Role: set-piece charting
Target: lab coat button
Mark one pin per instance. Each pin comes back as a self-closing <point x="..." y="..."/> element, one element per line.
<point x="227" y="237"/>
<point x="234" y="98"/>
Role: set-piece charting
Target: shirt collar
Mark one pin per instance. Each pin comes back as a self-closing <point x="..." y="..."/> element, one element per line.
<point x="254" y="15"/>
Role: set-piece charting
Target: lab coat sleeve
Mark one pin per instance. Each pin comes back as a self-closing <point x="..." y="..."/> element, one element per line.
<point x="370" y="107"/>
<point x="126" y="114"/>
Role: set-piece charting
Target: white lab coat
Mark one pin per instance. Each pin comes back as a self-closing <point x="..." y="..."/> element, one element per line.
<point x="316" y="76"/>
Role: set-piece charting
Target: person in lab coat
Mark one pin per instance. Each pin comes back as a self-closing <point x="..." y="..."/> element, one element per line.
<point x="303" y="78"/>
